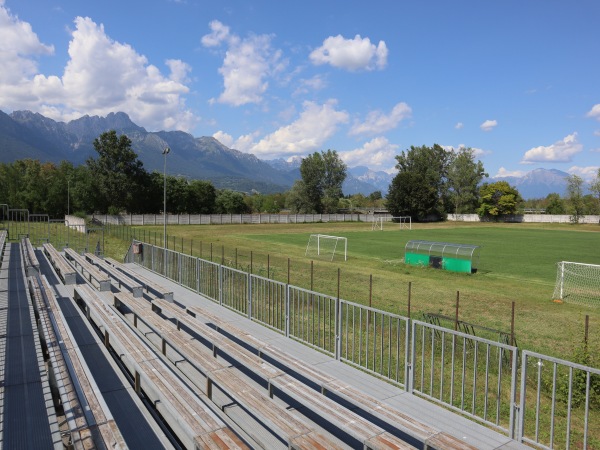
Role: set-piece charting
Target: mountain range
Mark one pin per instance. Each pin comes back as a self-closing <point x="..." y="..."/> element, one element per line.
<point x="25" y="134"/>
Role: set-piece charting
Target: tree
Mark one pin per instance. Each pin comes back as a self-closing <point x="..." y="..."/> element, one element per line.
<point x="464" y="176"/>
<point x="230" y="202"/>
<point x="118" y="175"/>
<point x="575" y="202"/>
<point x="201" y="197"/>
<point x="554" y="204"/>
<point x="419" y="189"/>
<point x="322" y="177"/>
<point x="595" y="187"/>
<point x="297" y="201"/>
<point x="498" y="199"/>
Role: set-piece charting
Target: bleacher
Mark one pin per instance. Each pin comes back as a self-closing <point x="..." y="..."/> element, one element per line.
<point x="207" y="380"/>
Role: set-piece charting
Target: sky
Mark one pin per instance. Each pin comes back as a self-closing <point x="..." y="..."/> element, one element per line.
<point x="516" y="80"/>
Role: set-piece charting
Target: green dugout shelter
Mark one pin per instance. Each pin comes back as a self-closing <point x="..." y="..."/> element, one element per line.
<point x="442" y="255"/>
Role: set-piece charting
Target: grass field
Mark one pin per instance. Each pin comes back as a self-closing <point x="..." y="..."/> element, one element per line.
<point x="517" y="263"/>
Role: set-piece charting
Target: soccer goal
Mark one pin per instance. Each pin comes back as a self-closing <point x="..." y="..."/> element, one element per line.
<point x="577" y="283"/>
<point x="405" y="222"/>
<point x="398" y="222"/>
<point x="323" y="246"/>
<point x="377" y="223"/>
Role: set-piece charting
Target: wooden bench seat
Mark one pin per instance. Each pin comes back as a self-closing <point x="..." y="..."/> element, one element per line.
<point x="149" y="285"/>
<point x="32" y="264"/>
<point x="82" y="400"/>
<point x="65" y="271"/>
<point x="89" y="271"/>
<point x="121" y="278"/>
<point x="2" y="243"/>
<point x="353" y="425"/>
<point x="329" y="385"/>
<point x="226" y="377"/>
<point x="186" y="413"/>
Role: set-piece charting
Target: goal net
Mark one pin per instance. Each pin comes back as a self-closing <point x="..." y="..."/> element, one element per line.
<point x="323" y="246"/>
<point x="404" y="222"/>
<point x="396" y="222"/>
<point x="577" y="283"/>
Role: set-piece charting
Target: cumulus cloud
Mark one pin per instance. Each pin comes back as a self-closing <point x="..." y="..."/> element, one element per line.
<point x="559" y="152"/>
<point x="19" y="49"/>
<point x="307" y="85"/>
<point x="101" y="76"/>
<point x="502" y="172"/>
<point x="459" y="126"/>
<point x="594" y="112"/>
<point x="378" y="122"/>
<point x="243" y="143"/>
<point x="247" y="64"/>
<point x="488" y="125"/>
<point x="378" y="152"/>
<point x="224" y="138"/>
<point x="477" y="152"/>
<point x="316" y="124"/>
<point x="351" y="54"/>
<point x="587" y="173"/>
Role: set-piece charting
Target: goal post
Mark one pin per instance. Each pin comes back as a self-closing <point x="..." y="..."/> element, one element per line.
<point x="403" y="222"/>
<point x="324" y="246"/>
<point x="377" y="223"/>
<point x="577" y="283"/>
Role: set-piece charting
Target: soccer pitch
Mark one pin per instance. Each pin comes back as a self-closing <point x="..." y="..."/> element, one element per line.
<point x="517" y="263"/>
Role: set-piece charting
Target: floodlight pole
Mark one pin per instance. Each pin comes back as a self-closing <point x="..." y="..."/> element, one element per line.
<point x="165" y="152"/>
<point x="68" y="197"/>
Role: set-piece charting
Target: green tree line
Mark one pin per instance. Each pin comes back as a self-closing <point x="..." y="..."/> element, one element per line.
<point x="116" y="181"/>
<point x="431" y="182"/>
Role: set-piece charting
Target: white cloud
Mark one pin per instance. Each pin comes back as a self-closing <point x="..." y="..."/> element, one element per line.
<point x="307" y="85"/>
<point x="101" y="76"/>
<point x="243" y="143"/>
<point x="560" y="152"/>
<point x="351" y="54"/>
<point x="587" y="173"/>
<point x="316" y="124"/>
<point x="377" y="153"/>
<point x="247" y="64"/>
<point x="459" y="126"/>
<point x="597" y="133"/>
<point x="594" y="112"/>
<point x="224" y="138"/>
<point x="477" y="152"/>
<point x="378" y="122"/>
<point x="502" y="172"/>
<point x="219" y="33"/>
<point x="488" y="125"/>
<point x="19" y="48"/>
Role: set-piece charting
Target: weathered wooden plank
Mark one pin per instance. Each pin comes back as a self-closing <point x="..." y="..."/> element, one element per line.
<point x="134" y="286"/>
<point x="149" y="285"/>
<point x="93" y="274"/>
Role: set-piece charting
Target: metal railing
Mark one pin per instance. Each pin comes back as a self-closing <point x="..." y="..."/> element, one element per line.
<point x="571" y="389"/>
<point x="473" y="376"/>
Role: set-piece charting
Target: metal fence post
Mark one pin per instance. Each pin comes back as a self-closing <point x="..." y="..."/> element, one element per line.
<point x="287" y="311"/>
<point x="338" y="329"/>
<point x="220" y="276"/>
<point x="198" y="272"/>
<point x="249" y="296"/>
<point x="179" y="264"/>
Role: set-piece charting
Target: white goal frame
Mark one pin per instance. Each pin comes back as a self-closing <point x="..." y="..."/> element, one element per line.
<point x="577" y="283"/>
<point x="318" y="237"/>
<point x="404" y="222"/>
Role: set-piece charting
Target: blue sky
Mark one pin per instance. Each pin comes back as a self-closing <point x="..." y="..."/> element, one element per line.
<point x="518" y="81"/>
